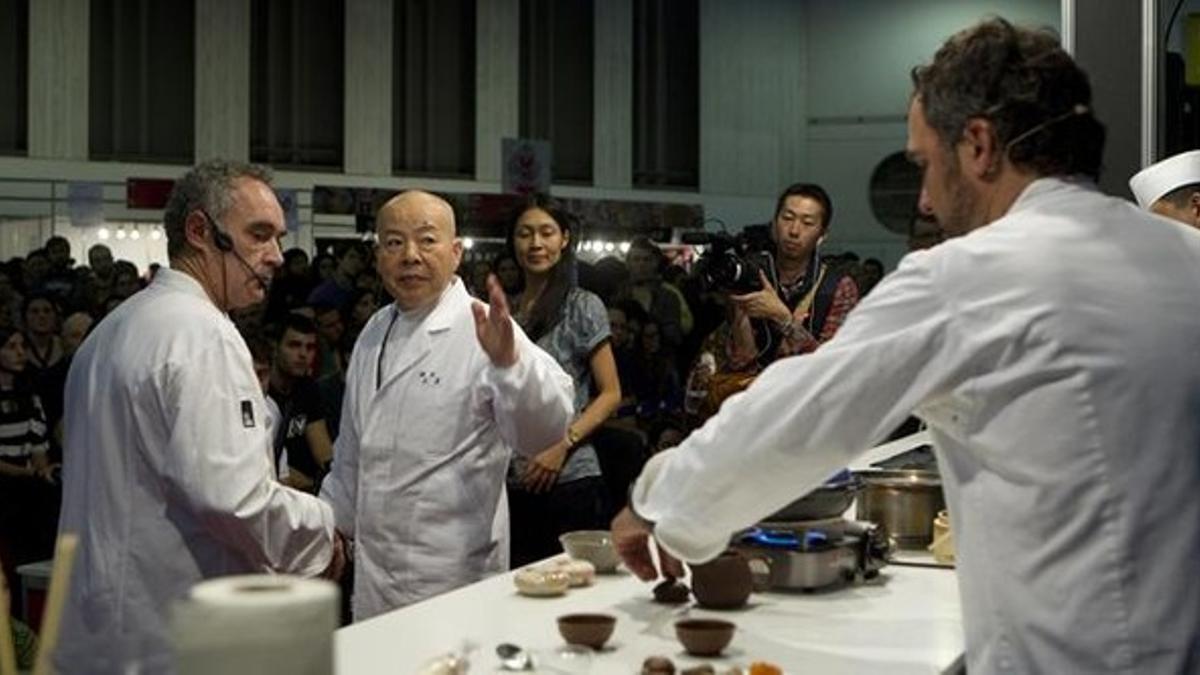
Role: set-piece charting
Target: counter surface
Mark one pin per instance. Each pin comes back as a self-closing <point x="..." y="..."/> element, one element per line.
<point x="907" y="621"/>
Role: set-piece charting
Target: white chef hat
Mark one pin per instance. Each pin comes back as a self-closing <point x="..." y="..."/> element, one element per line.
<point x="1153" y="182"/>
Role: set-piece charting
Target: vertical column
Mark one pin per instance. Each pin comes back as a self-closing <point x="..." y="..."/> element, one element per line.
<point x="58" y="87"/>
<point x="612" y="142"/>
<point x="369" y="62"/>
<point x="222" y="79"/>
<point x="497" y="65"/>
<point x="1108" y="45"/>
<point x="752" y="77"/>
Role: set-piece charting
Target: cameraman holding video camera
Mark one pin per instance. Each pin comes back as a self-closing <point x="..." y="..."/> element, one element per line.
<point x="803" y="303"/>
<point x="782" y="299"/>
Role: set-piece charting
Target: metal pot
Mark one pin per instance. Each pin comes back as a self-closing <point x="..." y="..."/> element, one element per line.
<point x="905" y="503"/>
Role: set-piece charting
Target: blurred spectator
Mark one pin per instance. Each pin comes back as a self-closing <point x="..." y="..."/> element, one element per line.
<point x="290" y="288"/>
<point x="74" y="329"/>
<point x="262" y="355"/>
<point x="43" y="345"/>
<point x="509" y="274"/>
<point x="100" y="259"/>
<point x="338" y="290"/>
<point x="655" y="383"/>
<point x="623" y="349"/>
<point x="302" y="437"/>
<point x="609" y="277"/>
<point x="330" y="363"/>
<point x="369" y="280"/>
<point x="477" y="279"/>
<point x="646" y="265"/>
<point x="36" y="266"/>
<point x="60" y="277"/>
<point x="82" y="294"/>
<point x="295" y="264"/>
<point x="870" y="272"/>
<point x="46" y="360"/>
<point x="365" y="304"/>
<point x="111" y="303"/>
<point x="322" y="268"/>
<point x="27" y="510"/>
<point x="126" y="280"/>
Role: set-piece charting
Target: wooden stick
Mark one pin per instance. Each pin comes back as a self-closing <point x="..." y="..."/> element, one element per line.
<point x="8" y="656"/>
<point x="60" y="582"/>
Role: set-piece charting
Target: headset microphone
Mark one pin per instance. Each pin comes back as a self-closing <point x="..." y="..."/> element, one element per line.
<point x="225" y="245"/>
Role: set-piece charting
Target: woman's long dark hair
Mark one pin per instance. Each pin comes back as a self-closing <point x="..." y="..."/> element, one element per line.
<point x="547" y="310"/>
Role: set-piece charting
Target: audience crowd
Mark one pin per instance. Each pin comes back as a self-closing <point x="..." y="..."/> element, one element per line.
<point x="657" y="319"/>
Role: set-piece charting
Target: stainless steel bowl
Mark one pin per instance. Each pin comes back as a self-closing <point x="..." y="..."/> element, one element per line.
<point x="828" y="501"/>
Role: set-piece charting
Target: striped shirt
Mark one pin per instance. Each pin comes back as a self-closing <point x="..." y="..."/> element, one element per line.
<point x="22" y="425"/>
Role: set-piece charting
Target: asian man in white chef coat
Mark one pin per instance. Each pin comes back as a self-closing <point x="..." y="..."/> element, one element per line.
<point x="439" y="391"/>
<point x="1171" y="188"/>
<point x="1051" y="349"/>
<point x="167" y="477"/>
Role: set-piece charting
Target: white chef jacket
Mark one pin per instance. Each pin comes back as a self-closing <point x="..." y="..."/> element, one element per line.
<point x="167" y="477"/>
<point x="1053" y="355"/>
<point x="419" y="463"/>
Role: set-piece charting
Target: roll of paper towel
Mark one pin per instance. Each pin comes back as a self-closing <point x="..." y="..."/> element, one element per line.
<point x="256" y="624"/>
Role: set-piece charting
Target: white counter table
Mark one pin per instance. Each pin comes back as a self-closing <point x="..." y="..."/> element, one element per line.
<point x="908" y="621"/>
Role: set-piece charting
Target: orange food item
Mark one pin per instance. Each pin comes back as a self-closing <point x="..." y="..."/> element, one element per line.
<point x="764" y="668"/>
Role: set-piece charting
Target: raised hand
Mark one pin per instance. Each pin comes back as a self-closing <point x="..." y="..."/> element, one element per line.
<point x="493" y="326"/>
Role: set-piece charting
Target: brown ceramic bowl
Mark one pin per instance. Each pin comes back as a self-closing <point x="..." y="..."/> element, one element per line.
<point x="704" y="637"/>
<point x="590" y="630"/>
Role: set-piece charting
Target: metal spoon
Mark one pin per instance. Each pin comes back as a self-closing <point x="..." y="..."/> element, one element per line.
<point x="513" y="657"/>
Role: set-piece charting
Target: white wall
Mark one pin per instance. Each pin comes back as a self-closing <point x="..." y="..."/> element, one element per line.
<point x="860" y="55"/>
<point x="817" y="91"/>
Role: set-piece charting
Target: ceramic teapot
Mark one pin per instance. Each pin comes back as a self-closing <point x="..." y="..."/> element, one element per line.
<point x="725" y="582"/>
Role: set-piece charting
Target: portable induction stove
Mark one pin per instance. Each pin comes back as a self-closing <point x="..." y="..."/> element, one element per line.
<point x="816" y="554"/>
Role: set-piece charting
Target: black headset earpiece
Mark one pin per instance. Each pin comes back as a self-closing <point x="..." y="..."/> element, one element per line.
<point x="224" y="244"/>
<point x="222" y="240"/>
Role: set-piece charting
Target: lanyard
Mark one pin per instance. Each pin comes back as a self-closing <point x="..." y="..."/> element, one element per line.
<point x="383" y="349"/>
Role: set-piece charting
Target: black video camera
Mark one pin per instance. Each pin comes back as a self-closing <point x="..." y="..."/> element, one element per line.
<point x="732" y="262"/>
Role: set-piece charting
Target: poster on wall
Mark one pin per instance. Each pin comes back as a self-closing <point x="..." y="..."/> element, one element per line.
<point x="290" y="203"/>
<point x="524" y="166"/>
<point x="147" y="193"/>
<point x="85" y="203"/>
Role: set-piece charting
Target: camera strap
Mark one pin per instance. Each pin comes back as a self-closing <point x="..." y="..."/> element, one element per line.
<point x="802" y="312"/>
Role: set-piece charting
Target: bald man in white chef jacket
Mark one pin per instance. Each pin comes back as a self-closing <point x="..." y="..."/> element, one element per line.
<point x="166" y="473"/>
<point x="1171" y="188"/>
<point x="439" y="391"/>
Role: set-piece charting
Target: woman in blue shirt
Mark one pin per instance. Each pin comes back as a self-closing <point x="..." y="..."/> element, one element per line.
<point x="561" y="489"/>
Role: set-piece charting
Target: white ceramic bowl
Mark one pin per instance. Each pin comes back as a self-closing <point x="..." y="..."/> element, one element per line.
<point x="594" y="546"/>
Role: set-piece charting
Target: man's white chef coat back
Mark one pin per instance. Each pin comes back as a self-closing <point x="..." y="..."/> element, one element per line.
<point x="1054" y="356"/>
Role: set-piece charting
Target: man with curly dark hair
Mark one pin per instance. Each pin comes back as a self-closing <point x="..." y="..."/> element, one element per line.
<point x="1047" y="346"/>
